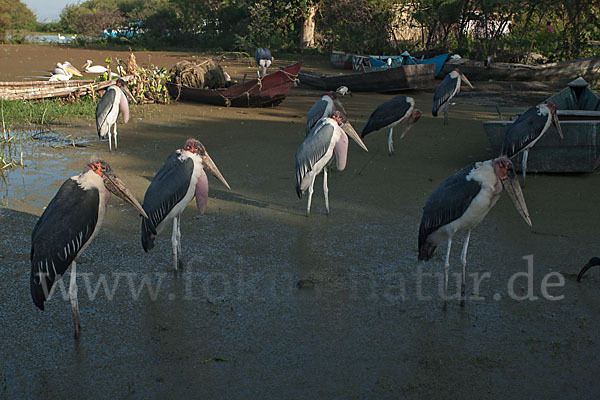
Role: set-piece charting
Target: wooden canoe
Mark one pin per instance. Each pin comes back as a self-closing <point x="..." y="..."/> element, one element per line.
<point x="578" y="110"/>
<point x="561" y="71"/>
<point x="35" y="90"/>
<point x="266" y="92"/>
<point x="387" y="80"/>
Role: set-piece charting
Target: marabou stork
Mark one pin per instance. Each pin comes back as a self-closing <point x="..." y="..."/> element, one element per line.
<point x="527" y="130"/>
<point x="400" y="109"/>
<point x="461" y="202"/>
<point x="325" y="107"/>
<point x="449" y="87"/>
<point x="593" y="262"/>
<point x="263" y="59"/>
<point x="180" y="179"/>
<point x="67" y="227"/>
<point x="328" y="137"/>
<point x="112" y="102"/>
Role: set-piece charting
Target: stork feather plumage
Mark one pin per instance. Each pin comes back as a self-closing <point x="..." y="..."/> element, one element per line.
<point x="460" y="203"/>
<point x="68" y="225"/>
<point x="397" y="110"/>
<point x="449" y="88"/>
<point x="113" y="102"/>
<point x="329" y="137"/>
<point x="526" y="130"/>
<point x="180" y="178"/>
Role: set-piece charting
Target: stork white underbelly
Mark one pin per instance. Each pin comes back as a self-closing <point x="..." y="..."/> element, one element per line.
<point x="477" y="210"/>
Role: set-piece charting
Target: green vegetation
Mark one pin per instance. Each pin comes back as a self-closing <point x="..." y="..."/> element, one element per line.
<point x="19" y="114"/>
<point x="15" y="15"/>
<point x="510" y="30"/>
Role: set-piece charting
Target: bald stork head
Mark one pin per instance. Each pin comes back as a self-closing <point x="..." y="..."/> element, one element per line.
<point x="112" y="183"/>
<point x="194" y="146"/>
<point x="505" y="172"/>
<point x="121" y="84"/>
<point x="341" y="119"/>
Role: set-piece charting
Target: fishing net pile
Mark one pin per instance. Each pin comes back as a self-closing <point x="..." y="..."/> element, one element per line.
<point x="204" y="74"/>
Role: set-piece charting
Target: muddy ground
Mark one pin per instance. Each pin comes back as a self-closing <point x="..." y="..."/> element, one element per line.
<point x="272" y="304"/>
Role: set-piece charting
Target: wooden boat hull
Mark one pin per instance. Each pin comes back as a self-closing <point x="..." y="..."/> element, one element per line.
<point x="268" y="92"/>
<point x="578" y="109"/>
<point x="388" y="80"/>
<point x="562" y="71"/>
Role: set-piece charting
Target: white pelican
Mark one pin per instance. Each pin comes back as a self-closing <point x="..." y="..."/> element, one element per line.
<point x="93" y="69"/>
<point x="64" y="72"/>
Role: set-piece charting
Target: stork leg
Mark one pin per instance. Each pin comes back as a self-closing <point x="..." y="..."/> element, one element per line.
<point x="115" y="136"/>
<point x="174" y="242"/>
<point x="326" y="190"/>
<point x="463" y="258"/>
<point x="179" y="259"/>
<point x="310" y="193"/>
<point x="524" y="164"/>
<point x="446" y="271"/>
<point x="391" y="142"/>
<point x="446" y="112"/>
<point x="73" y="299"/>
<point x="109" y="140"/>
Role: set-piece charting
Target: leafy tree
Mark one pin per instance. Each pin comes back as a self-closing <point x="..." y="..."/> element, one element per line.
<point x="14" y="15"/>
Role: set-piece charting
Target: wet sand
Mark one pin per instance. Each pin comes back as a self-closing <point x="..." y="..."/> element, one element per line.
<point x="272" y="304"/>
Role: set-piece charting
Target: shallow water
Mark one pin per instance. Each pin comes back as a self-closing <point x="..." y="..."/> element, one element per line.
<point x="272" y="304"/>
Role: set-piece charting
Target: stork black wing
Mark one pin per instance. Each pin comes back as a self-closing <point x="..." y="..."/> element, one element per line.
<point x="63" y="229"/>
<point x="443" y="93"/>
<point x="104" y="108"/>
<point x="311" y="151"/>
<point x="168" y="188"/>
<point x="262" y="53"/>
<point x="446" y="204"/>
<point x="386" y="114"/>
<point x="523" y="131"/>
<point x="315" y="114"/>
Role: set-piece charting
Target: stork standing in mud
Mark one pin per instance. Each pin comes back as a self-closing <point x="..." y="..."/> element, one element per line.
<point x="263" y="59"/>
<point x="113" y="102"/>
<point x="449" y="88"/>
<point x="180" y="179"/>
<point x="67" y="227"/>
<point x="325" y="107"/>
<point x="328" y="137"/>
<point x="400" y="109"/>
<point x="527" y="130"/>
<point x="460" y="203"/>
